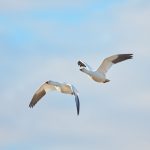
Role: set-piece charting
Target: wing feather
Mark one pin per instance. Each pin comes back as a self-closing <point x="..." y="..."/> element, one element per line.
<point x="40" y="93"/>
<point x="109" y="61"/>
<point x="75" y="93"/>
<point x="77" y="103"/>
<point x="83" y="64"/>
<point x="64" y="88"/>
<point x="37" y="97"/>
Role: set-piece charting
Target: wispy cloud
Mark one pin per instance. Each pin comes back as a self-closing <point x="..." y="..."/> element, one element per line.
<point x="38" y="48"/>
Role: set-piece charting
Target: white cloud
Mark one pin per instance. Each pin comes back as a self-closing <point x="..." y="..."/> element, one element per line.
<point x="92" y="124"/>
<point x="132" y="27"/>
<point x="113" y="116"/>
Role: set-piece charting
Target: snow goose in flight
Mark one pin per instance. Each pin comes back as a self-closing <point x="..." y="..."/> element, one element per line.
<point x="100" y="74"/>
<point x="55" y="86"/>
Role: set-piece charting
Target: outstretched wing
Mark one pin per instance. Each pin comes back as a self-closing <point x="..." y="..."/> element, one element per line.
<point x="77" y="103"/>
<point x="108" y="62"/>
<point x="75" y="93"/>
<point x="40" y="93"/>
<point x="83" y="64"/>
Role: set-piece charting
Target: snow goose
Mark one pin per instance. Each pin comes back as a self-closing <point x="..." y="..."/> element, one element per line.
<point x="100" y="74"/>
<point x="55" y="86"/>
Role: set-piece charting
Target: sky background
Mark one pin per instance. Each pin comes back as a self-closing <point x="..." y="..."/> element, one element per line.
<point x="43" y="40"/>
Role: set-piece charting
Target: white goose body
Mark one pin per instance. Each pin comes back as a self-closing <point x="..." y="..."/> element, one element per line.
<point x="100" y="74"/>
<point x="95" y="75"/>
<point x="98" y="77"/>
<point x="55" y="86"/>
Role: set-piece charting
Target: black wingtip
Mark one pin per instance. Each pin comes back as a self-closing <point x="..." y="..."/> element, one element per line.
<point x="31" y="105"/>
<point x="81" y="64"/>
<point x="131" y="56"/>
<point x="122" y="57"/>
<point x="77" y="104"/>
<point x="78" y="111"/>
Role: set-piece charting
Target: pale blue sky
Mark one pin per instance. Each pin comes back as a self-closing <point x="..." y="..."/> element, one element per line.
<point x="43" y="40"/>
